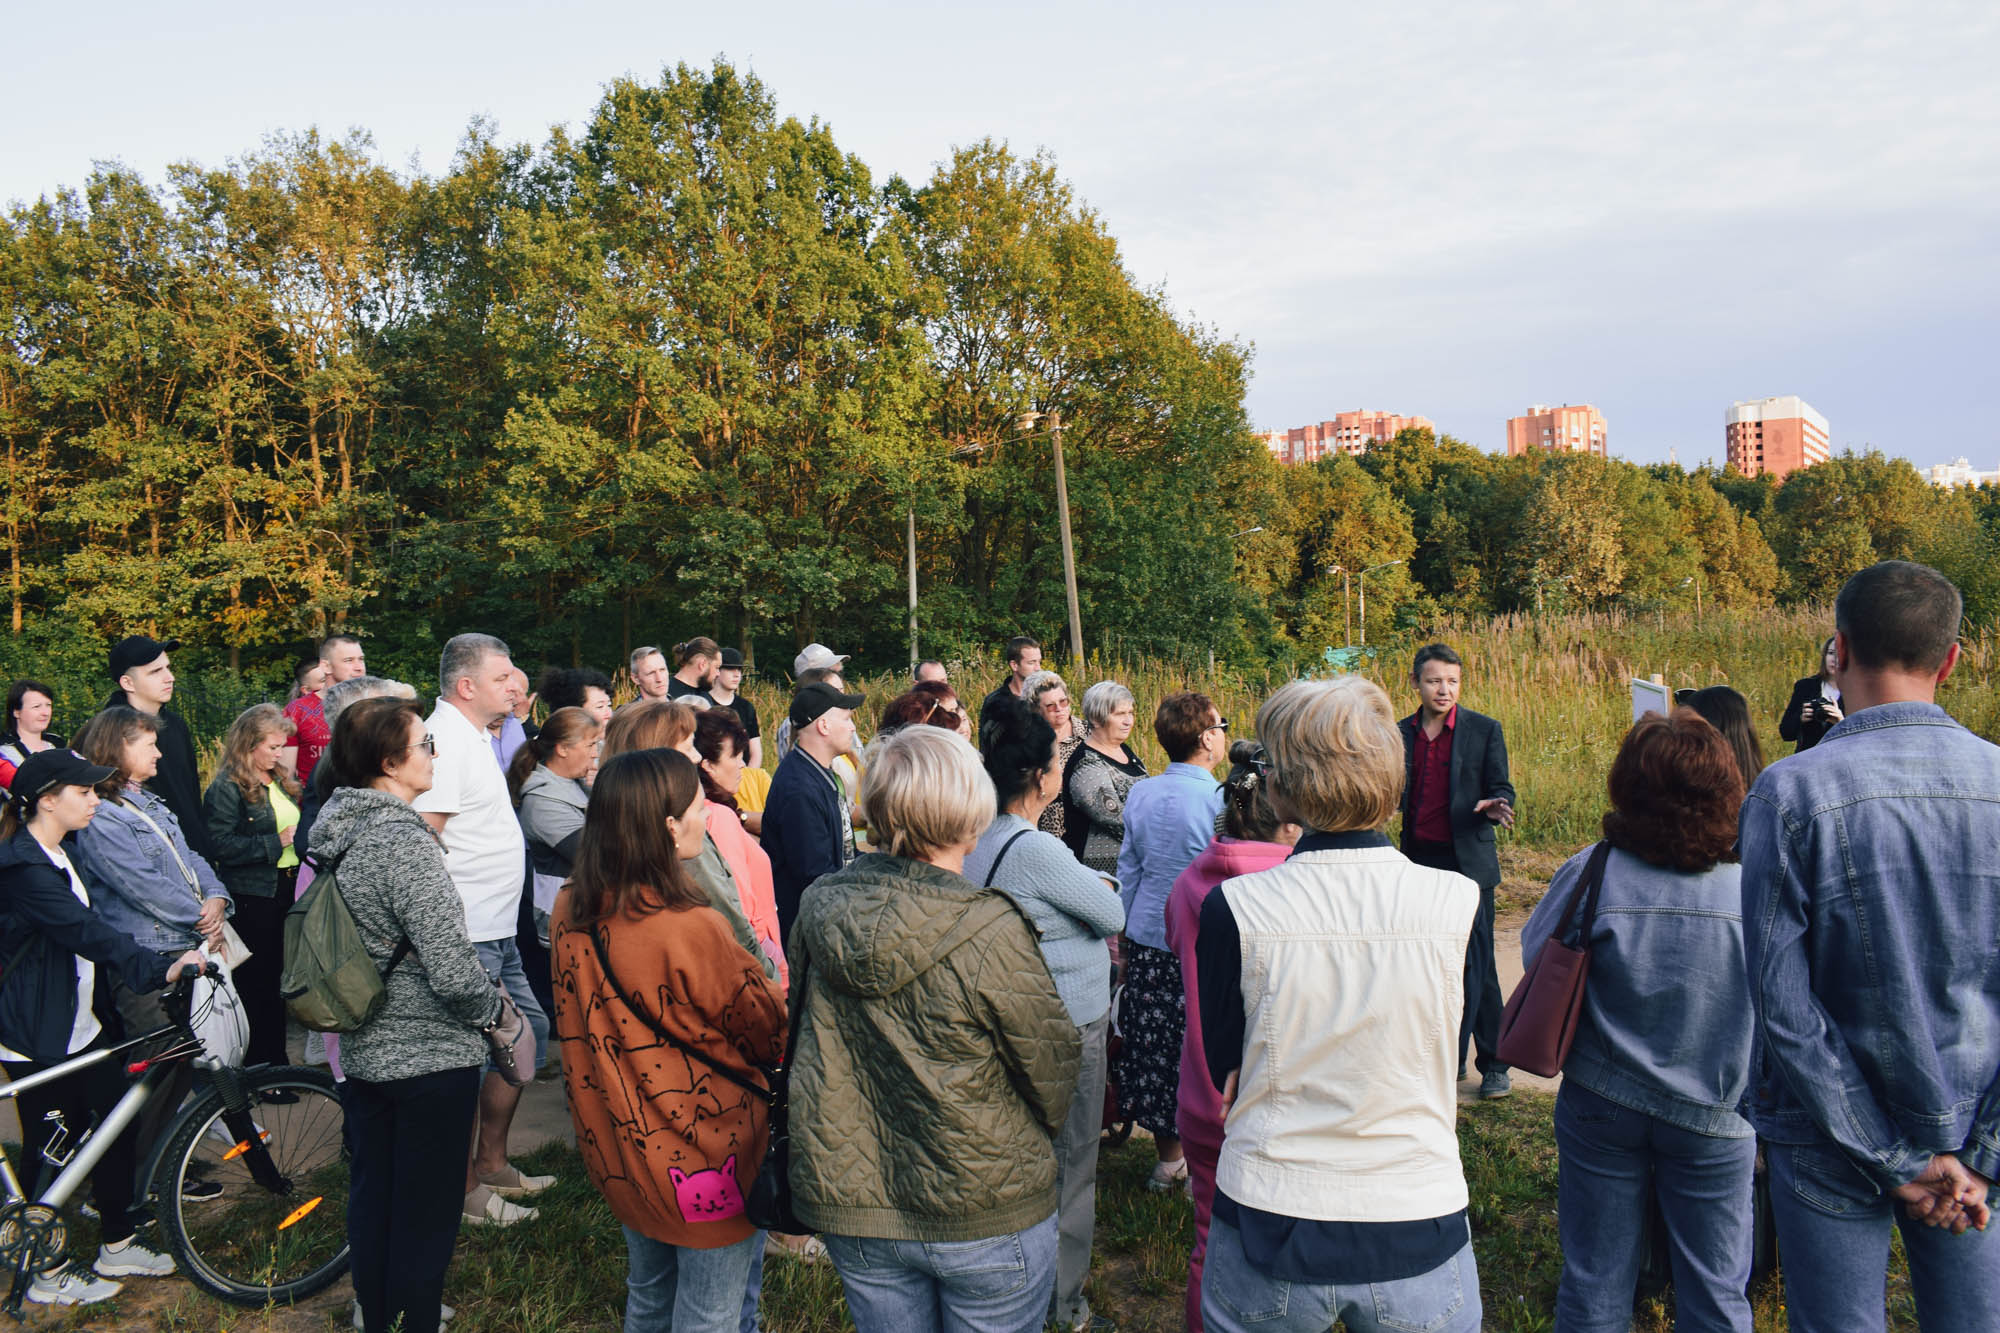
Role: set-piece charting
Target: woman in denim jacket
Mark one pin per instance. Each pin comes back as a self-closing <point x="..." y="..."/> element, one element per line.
<point x="145" y="882"/>
<point x="1651" y="1089"/>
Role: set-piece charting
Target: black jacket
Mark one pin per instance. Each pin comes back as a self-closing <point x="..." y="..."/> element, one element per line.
<point x="245" y="838"/>
<point x="1795" y="725"/>
<point x="41" y="918"/>
<point x="1478" y="773"/>
<point x="178" y="782"/>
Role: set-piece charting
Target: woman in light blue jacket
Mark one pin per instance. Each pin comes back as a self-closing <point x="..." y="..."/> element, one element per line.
<point x="145" y="881"/>
<point x="1651" y="1089"/>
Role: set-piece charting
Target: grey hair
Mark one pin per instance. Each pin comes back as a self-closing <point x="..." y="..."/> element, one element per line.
<point x="1103" y="699"/>
<point x="340" y="695"/>
<point x="1038" y="681"/>
<point x="641" y="653"/>
<point x="462" y="655"/>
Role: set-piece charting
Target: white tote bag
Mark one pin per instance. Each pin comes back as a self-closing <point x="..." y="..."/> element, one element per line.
<point x="218" y="1016"/>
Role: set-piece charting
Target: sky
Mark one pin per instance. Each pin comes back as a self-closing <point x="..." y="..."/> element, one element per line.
<point x="1447" y="210"/>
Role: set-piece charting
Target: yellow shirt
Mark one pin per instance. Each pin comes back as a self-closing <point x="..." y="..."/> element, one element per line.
<point x="288" y="817"/>
<point x="754" y="790"/>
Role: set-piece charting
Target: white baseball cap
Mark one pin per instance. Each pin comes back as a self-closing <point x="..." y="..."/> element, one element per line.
<point x="817" y="657"/>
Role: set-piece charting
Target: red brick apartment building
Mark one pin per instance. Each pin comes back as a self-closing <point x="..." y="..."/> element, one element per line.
<point x="1348" y="433"/>
<point x="1776" y="436"/>
<point x="1573" y="428"/>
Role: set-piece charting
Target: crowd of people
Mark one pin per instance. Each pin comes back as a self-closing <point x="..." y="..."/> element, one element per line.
<point x="913" y="946"/>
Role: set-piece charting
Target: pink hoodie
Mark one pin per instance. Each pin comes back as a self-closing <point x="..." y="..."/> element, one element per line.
<point x="1225" y="858"/>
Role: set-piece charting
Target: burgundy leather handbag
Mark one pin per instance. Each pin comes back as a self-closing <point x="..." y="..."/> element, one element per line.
<point x="1539" y="1023"/>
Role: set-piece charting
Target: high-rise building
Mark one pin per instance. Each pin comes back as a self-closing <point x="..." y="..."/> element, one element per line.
<point x="1348" y="433"/>
<point x="1776" y="436"/>
<point x="1571" y="428"/>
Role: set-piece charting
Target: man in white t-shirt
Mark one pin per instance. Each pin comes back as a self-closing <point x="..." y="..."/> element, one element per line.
<point x="486" y="857"/>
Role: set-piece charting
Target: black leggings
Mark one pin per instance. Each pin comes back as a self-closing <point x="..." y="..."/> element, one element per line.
<point x="84" y="1098"/>
<point x="261" y="923"/>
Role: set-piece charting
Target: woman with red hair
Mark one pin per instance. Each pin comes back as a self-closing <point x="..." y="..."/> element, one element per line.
<point x="1662" y="1055"/>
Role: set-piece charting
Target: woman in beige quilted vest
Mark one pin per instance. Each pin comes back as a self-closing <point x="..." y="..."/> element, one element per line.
<point x="935" y="1062"/>
<point x="1331" y="986"/>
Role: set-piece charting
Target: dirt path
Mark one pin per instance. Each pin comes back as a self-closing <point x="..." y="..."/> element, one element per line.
<point x="1507" y="947"/>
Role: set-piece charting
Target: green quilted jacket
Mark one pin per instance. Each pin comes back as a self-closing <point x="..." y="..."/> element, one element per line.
<point x="935" y="1060"/>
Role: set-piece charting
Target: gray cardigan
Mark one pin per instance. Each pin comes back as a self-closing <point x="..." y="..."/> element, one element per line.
<point x="393" y="877"/>
<point x="1068" y="903"/>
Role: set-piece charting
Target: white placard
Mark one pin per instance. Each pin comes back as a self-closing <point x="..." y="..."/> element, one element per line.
<point x="1650" y="696"/>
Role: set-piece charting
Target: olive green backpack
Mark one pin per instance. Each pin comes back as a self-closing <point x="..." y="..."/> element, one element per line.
<point x="330" y="983"/>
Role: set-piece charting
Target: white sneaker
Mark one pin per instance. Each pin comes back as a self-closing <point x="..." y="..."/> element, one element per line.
<point x="1166" y="1175"/>
<point x="484" y="1207"/>
<point x="132" y="1260"/>
<point x="70" y="1285"/>
<point x="445" y="1313"/>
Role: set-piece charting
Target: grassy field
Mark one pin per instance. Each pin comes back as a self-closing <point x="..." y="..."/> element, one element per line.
<point x="1561" y="686"/>
<point x="566" y="1272"/>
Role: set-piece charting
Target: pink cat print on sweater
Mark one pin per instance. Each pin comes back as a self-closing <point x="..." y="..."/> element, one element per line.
<point x="708" y="1196"/>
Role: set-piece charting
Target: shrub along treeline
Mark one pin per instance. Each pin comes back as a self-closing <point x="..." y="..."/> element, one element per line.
<point x="691" y="370"/>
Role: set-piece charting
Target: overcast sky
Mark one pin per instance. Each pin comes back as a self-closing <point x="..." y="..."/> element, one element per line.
<point x="1447" y="210"/>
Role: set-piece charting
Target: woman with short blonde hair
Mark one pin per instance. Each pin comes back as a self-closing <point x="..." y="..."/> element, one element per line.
<point x="1341" y="1142"/>
<point x="928" y="1206"/>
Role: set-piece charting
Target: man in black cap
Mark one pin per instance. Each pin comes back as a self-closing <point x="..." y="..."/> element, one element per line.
<point x="723" y="694"/>
<point x="807" y="830"/>
<point x="145" y="682"/>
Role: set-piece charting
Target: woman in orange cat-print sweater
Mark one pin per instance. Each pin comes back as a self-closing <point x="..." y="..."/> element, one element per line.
<point x="670" y="1136"/>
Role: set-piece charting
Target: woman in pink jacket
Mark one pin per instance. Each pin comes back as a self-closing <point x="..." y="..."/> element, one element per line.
<point x="1252" y="839"/>
<point x="723" y="746"/>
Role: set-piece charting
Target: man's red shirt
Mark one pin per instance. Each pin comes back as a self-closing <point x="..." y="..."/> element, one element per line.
<point x="1430" y="781"/>
<point x="313" y="734"/>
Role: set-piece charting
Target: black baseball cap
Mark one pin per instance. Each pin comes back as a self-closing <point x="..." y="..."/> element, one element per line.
<point x="136" y="652"/>
<point x="55" y="768"/>
<point x="732" y="660"/>
<point x="816" y="698"/>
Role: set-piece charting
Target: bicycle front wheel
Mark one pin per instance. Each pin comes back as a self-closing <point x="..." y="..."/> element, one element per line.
<point x="277" y="1231"/>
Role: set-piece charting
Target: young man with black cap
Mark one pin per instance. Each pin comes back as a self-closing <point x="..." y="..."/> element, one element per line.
<point x="145" y="682"/>
<point x="807" y="829"/>
<point x="723" y="694"/>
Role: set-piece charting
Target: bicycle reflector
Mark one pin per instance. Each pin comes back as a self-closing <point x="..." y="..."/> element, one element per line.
<point x="244" y="1146"/>
<point x="299" y="1213"/>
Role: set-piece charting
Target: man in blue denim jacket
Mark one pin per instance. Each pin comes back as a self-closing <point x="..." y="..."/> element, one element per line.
<point x="1871" y="910"/>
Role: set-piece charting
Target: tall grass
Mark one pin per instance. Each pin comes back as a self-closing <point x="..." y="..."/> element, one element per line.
<point x="1559" y="685"/>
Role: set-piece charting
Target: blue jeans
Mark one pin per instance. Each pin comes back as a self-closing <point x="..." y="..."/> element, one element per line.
<point x="674" y="1287"/>
<point x="502" y="961"/>
<point x="1236" y="1298"/>
<point x="1833" y="1241"/>
<point x="1001" y="1284"/>
<point x="1613" y="1161"/>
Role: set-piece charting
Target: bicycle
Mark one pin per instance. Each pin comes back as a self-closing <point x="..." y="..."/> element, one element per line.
<point x="272" y="1137"/>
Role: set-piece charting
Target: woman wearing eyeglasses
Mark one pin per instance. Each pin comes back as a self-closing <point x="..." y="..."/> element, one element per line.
<point x="1169" y="821"/>
<point x="413" y="1070"/>
<point x="1050" y="696"/>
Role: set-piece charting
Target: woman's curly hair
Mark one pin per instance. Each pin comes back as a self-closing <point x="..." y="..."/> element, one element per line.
<point x="1675" y="792"/>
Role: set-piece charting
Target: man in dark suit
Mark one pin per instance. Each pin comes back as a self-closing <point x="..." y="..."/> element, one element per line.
<point x="1457" y="790"/>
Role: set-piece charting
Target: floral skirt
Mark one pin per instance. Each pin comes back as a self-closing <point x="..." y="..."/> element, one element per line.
<point x="1152" y="1019"/>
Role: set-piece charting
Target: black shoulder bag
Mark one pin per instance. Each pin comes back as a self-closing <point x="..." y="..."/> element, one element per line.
<point x="769" y="1202"/>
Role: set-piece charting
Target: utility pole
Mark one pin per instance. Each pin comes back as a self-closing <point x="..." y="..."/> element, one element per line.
<point x="1068" y="549"/>
<point x="913" y="587"/>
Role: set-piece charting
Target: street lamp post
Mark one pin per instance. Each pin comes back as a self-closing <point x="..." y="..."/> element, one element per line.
<point x="1364" y="594"/>
<point x="1346" y="616"/>
<point x="1068" y="548"/>
<point x="1232" y="568"/>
